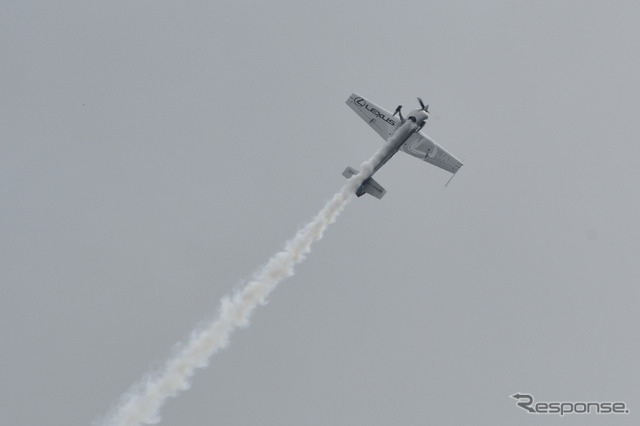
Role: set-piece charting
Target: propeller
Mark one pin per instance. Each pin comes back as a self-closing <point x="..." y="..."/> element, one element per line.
<point x="424" y="108"/>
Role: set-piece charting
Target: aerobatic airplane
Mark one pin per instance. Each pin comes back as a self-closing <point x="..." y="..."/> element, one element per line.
<point x="404" y="134"/>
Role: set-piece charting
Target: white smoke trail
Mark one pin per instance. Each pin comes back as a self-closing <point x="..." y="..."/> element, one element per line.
<point x="141" y="405"/>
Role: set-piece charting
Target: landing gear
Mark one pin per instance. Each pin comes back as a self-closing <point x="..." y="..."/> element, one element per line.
<point x="399" y="112"/>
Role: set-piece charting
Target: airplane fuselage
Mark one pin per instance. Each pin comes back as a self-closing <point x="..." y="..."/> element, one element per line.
<point x="398" y="139"/>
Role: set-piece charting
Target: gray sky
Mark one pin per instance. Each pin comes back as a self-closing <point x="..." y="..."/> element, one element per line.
<point x="155" y="154"/>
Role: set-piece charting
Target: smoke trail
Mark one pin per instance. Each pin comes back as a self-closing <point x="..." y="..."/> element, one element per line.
<point x="141" y="404"/>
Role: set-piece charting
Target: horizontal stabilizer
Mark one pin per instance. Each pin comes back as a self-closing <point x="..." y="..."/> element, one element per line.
<point x="369" y="186"/>
<point x="349" y="171"/>
<point x="372" y="187"/>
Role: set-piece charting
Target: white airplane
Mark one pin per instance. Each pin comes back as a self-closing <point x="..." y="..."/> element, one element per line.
<point x="404" y="135"/>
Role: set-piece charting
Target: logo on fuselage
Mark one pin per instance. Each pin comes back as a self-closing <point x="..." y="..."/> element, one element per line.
<point x="363" y="104"/>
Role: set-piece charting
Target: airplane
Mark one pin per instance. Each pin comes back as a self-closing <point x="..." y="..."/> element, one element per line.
<point x="404" y="134"/>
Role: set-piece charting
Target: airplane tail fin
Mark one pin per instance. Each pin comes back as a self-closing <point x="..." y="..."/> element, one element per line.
<point x="369" y="186"/>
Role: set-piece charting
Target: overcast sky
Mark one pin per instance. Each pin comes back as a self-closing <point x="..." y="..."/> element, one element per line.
<point x="155" y="154"/>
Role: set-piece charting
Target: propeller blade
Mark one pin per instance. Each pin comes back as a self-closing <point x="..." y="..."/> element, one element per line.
<point x="421" y="103"/>
<point x="398" y="109"/>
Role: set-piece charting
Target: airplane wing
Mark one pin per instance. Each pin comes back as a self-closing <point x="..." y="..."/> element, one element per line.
<point x="423" y="147"/>
<point x="380" y="120"/>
